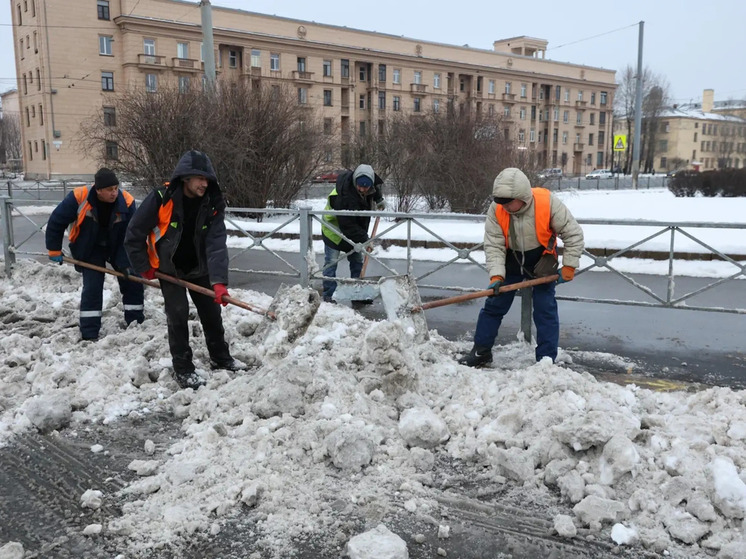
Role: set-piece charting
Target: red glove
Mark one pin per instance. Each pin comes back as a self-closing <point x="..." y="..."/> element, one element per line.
<point x="220" y="291"/>
<point x="149" y="274"/>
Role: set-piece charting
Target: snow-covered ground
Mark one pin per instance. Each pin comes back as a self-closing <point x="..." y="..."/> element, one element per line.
<point x="356" y="411"/>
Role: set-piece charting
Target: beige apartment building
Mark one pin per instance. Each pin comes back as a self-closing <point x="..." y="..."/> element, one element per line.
<point x="94" y="49"/>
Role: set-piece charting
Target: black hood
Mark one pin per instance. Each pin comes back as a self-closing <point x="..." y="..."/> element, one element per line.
<point x="193" y="163"/>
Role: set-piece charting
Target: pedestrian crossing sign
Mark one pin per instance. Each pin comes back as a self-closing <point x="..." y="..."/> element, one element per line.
<point x="620" y="142"/>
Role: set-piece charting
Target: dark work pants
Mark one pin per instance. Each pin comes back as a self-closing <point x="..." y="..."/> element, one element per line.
<point x="546" y="318"/>
<point x="92" y="297"/>
<point x="330" y="268"/>
<point x="177" y="318"/>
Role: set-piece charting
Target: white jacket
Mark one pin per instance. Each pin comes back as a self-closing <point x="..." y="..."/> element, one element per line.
<point x="513" y="183"/>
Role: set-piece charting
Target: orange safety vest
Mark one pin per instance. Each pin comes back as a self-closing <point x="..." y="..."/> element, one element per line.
<point x="164" y="219"/>
<point x="84" y="209"/>
<point x="542" y="218"/>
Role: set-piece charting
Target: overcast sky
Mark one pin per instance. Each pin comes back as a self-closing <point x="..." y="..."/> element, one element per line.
<point x="693" y="45"/>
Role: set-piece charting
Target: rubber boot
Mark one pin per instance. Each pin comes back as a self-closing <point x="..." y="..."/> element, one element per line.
<point x="479" y="356"/>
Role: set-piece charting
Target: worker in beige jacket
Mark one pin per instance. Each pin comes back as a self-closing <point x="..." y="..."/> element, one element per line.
<point x="520" y="242"/>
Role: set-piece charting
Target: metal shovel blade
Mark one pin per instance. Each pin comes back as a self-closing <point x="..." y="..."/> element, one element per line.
<point x="400" y="295"/>
<point x="356" y="292"/>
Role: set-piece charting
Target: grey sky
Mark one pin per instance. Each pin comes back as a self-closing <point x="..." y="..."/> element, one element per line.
<point x="693" y="45"/>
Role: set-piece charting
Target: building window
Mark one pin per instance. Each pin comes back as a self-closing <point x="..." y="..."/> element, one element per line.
<point x="590" y="139"/>
<point x="183" y="84"/>
<point x="666" y="126"/>
<point x="599" y="159"/>
<point x="23" y="54"/>
<point x="301" y="64"/>
<point x="327" y="97"/>
<point x="564" y="137"/>
<point x="662" y="145"/>
<point x="601" y="138"/>
<point x="491" y="86"/>
<point x="361" y="101"/>
<point x="664" y="162"/>
<point x="327" y="69"/>
<point x="104" y="45"/>
<point x="541" y="93"/>
<point x="397" y="103"/>
<point x="602" y="118"/>
<point x="103" y="9"/>
<point x="362" y="128"/>
<point x="417" y="104"/>
<point x="362" y="74"/>
<point x="38" y="80"/>
<point x="521" y="136"/>
<point x="30" y="149"/>
<point x="417" y="77"/>
<point x="151" y="83"/>
<point x="491" y="110"/>
<point x="382" y="100"/>
<point x="107" y="81"/>
<point x="565" y="116"/>
<point x="345" y="68"/>
<point x="28" y="117"/>
<point x="182" y="50"/>
<point x="532" y="135"/>
<point x="110" y="116"/>
<point x="328" y="126"/>
<point x="603" y="97"/>
<point x="593" y="98"/>
<point x="397" y="76"/>
<point x="274" y="62"/>
<point x="43" y="146"/>
<point x="436" y="81"/>
<point x="25" y="84"/>
<point x="592" y="119"/>
<point x="507" y="87"/>
<point x="522" y="113"/>
<point x="580" y="95"/>
<point x="36" y="43"/>
<point x="148" y="47"/>
<point x="524" y="88"/>
<point x="382" y="73"/>
<point x="556" y="115"/>
<point x="41" y="115"/>
<point x="567" y="95"/>
<point x="302" y="96"/>
<point x="112" y="150"/>
<point x="506" y="111"/>
<point x="256" y="58"/>
<point x="557" y="92"/>
<point x="579" y="117"/>
<point x="233" y="59"/>
<point x="436" y="106"/>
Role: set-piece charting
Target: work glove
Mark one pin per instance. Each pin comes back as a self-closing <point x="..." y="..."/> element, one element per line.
<point x="495" y="284"/>
<point x="566" y="274"/>
<point x="220" y="291"/>
<point x="55" y="257"/>
<point x="381" y="204"/>
<point x="127" y="272"/>
<point x="149" y="274"/>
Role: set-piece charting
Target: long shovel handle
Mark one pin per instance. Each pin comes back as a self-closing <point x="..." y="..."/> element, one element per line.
<point x="210" y="293"/>
<point x="484" y="293"/>
<point x="137" y="279"/>
<point x="373" y="234"/>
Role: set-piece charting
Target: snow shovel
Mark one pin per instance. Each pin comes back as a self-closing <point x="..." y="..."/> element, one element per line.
<point x="137" y="279"/>
<point x="211" y="293"/>
<point x="401" y="299"/>
<point x="360" y="293"/>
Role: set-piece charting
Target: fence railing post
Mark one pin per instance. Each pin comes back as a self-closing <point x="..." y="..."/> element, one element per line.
<point x="306" y="245"/>
<point x="6" y="217"/>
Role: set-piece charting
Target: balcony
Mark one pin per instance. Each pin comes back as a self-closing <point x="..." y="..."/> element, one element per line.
<point x="578" y="147"/>
<point x="302" y="76"/>
<point x="418" y="88"/>
<point x="579" y="125"/>
<point x="581" y="104"/>
<point x="345" y="108"/>
<point x="151" y="61"/>
<point x="477" y="94"/>
<point x="187" y="65"/>
<point x="277" y="74"/>
<point x="508" y="97"/>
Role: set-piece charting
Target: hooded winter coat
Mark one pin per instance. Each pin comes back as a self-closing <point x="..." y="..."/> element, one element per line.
<point x="513" y="183"/>
<point x="155" y="231"/>
<point x="345" y="196"/>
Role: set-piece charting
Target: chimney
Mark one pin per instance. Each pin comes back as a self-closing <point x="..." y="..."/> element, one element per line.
<point x="708" y="100"/>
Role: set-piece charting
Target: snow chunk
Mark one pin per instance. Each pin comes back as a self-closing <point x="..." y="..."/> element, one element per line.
<point x="728" y="490"/>
<point x="421" y="427"/>
<point x="12" y="550"/>
<point x="594" y="509"/>
<point x="619" y="457"/>
<point x="564" y="526"/>
<point x="378" y="543"/>
<point x="515" y="463"/>
<point x="50" y="412"/>
<point x="596" y="428"/>
<point x="350" y="447"/>
<point x="143" y="467"/>
<point x="92" y="529"/>
<point x="91" y="499"/>
<point x="621" y="535"/>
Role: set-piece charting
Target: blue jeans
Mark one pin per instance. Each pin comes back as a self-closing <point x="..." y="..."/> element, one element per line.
<point x="330" y="268"/>
<point x="546" y="318"/>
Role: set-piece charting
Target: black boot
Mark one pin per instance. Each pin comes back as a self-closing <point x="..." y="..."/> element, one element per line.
<point x="188" y="380"/>
<point x="479" y="356"/>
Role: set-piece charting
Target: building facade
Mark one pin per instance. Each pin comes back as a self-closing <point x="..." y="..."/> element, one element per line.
<point x="95" y="49"/>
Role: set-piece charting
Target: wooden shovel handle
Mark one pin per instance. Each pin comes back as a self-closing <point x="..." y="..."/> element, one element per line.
<point x="137" y="279"/>
<point x="485" y="293"/>
<point x="373" y="234"/>
<point x="210" y="293"/>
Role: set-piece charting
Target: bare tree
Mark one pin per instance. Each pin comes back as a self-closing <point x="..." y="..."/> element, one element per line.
<point x="262" y="143"/>
<point x="653" y="106"/>
<point x="10" y="139"/>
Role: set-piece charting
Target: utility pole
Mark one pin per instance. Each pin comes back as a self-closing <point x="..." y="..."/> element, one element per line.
<point x="208" y="48"/>
<point x="638" y="113"/>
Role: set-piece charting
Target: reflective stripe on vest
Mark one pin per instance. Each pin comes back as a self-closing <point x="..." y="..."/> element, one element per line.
<point x="164" y="219"/>
<point x="542" y="218"/>
<point x="331" y="220"/>
<point x="84" y="208"/>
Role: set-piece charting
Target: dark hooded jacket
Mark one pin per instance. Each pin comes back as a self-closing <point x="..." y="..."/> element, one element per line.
<point x="346" y="197"/>
<point x="155" y="231"/>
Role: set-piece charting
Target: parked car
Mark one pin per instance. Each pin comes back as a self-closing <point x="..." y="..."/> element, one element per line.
<point x="554" y="173"/>
<point x="600" y="174"/>
<point x="328" y="176"/>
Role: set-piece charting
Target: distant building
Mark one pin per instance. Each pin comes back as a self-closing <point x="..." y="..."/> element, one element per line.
<point x="700" y="136"/>
<point x="9" y="104"/>
<point x="73" y="57"/>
